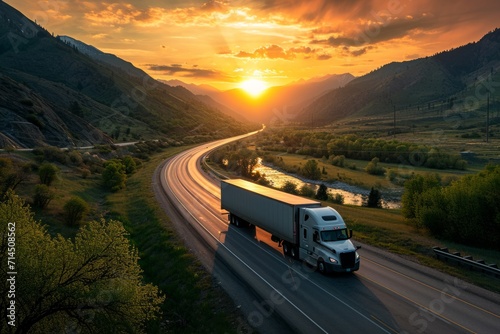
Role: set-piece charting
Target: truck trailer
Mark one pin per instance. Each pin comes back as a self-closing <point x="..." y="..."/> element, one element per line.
<point x="305" y="229"/>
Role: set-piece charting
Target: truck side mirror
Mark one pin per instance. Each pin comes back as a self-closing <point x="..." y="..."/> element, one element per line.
<point x="350" y="234"/>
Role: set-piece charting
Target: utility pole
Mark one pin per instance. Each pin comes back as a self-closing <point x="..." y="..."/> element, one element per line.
<point x="488" y="118"/>
<point x="394" y="130"/>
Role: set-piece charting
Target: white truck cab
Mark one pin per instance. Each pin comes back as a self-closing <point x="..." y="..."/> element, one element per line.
<point x="325" y="241"/>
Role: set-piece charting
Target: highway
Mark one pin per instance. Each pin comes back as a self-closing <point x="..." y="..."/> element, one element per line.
<point x="278" y="294"/>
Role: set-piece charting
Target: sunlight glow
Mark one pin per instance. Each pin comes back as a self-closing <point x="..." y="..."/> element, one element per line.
<point x="254" y="87"/>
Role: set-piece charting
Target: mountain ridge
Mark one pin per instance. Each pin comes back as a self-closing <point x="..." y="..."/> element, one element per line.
<point x="401" y="85"/>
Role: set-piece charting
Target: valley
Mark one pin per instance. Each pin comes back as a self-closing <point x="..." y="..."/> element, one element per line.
<point x="119" y="121"/>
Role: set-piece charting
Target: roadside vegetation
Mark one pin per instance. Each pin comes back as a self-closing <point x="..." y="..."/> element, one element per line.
<point x="137" y="276"/>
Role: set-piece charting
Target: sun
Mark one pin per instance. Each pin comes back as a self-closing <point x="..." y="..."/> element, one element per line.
<point x="254" y="87"/>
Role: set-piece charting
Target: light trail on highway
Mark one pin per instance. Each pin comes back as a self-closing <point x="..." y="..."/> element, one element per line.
<point x="387" y="295"/>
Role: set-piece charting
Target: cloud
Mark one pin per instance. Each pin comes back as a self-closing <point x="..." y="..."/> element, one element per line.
<point x="270" y="52"/>
<point x="100" y="36"/>
<point x="318" y="10"/>
<point x="179" y="70"/>
<point x="323" y="57"/>
<point x="277" y="52"/>
<point x="377" y="31"/>
<point x="214" y="5"/>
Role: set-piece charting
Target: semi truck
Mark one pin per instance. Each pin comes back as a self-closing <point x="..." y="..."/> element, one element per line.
<point x="302" y="227"/>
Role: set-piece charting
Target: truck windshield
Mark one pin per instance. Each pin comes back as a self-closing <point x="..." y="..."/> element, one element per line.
<point x="334" y="235"/>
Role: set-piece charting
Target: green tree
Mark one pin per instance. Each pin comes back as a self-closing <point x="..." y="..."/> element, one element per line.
<point x="311" y="170"/>
<point x="374" y="199"/>
<point x="129" y="163"/>
<point x="42" y="196"/>
<point x="414" y="188"/>
<point x="92" y="284"/>
<point x="431" y="211"/>
<point x="47" y="173"/>
<point x="322" y="193"/>
<point x="114" y="177"/>
<point x="75" y="210"/>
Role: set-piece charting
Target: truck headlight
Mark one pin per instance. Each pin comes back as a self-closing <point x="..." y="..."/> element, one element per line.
<point x="357" y="256"/>
<point x="332" y="260"/>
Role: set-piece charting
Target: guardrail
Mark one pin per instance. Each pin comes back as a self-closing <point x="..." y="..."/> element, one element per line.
<point x="213" y="171"/>
<point x="467" y="261"/>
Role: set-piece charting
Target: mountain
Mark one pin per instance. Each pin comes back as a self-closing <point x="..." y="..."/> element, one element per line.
<point x="107" y="58"/>
<point x="53" y="93"/>
<point x="279" y="103"/>
<point x="437" y="82"/>
<point x="195" y="89"/>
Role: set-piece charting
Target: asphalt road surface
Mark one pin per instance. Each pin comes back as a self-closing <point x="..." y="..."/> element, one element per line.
<point x="280" y="295"/>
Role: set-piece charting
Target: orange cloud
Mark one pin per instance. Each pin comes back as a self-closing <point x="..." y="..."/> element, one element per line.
<point x="113" y="15"/>
<point x="277" y="52"/>
<point x="179" y="70"/>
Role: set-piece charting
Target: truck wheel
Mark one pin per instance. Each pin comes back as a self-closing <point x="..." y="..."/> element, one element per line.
<point x="321" y="266"/>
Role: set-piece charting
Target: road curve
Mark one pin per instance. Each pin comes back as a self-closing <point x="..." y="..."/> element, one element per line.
<point x="387" y="295"/>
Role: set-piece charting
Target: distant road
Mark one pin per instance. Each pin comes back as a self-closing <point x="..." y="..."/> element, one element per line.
<point x="278" y="294"/>
<point x="77" y="147"/>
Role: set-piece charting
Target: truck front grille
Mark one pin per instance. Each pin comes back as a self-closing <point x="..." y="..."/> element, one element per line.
<point x="348" y="259"/>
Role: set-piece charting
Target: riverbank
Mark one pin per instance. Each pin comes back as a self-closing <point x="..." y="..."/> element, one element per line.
<point x="353" y="195"/>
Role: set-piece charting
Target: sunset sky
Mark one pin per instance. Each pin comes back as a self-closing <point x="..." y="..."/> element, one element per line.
<point x="223" y="43"/>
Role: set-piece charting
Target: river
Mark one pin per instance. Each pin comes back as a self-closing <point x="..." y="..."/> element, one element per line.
<point x="352" y="195"/>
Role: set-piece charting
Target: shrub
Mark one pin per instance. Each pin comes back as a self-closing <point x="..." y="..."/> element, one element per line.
<point x="311" y="170"/>
<point x="114" y="177"/>
<point x="75" y="157"/>
<point x="75" y="210"/>
<point x="42" y="196"/>
<point x="129" y="163"/>
<point x="47" y="173"/>
<point x="307" y="191"/>
<point x="338" y="160"/>
<point x="85" y="173"/>
<point x="337" y="198"/>
<point x="373" y="168"/>
<point x="290" y="187"/>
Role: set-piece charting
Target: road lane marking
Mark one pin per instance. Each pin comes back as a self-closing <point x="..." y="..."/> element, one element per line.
<point x="438" y="315"/>
<point x="384" y="324"/>
<point x="433" y="288"/>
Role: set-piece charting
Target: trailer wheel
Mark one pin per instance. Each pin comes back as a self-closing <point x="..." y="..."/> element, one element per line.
<point x="286" y="249"/>
<point x="237" y="221"/>
<point x="321" y="266"/>
<point x="293" y="253"/>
